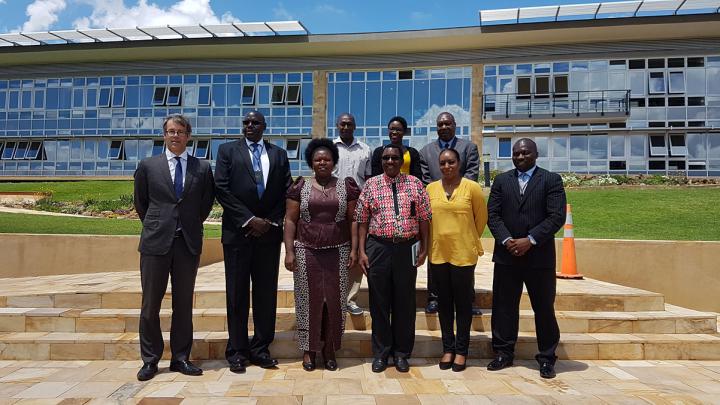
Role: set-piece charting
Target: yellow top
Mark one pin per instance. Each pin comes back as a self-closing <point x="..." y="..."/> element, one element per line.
<point x="457" y="223"/>
<point x="405" y="168"/>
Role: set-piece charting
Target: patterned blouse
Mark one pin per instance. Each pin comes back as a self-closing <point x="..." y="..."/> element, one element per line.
<point x="376" y="206"/>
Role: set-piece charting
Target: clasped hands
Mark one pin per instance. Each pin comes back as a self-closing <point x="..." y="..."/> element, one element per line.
<point x="518" y="247"/>
<point x="257" y="227"/>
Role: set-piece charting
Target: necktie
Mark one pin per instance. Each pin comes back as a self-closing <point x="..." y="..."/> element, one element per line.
<point x="446" y="145"/>
<point x="257" y="167"/>
<point x="524" y="178"/>
<point x="178" y="183"/>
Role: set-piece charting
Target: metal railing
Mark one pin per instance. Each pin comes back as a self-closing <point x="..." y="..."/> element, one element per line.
<point x="519" y="105"/>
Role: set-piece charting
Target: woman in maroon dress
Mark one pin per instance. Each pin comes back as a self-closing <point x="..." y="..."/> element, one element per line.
<point x="320" y="248"/>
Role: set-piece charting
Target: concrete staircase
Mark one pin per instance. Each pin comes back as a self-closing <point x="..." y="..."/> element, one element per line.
<point x="95" y="317"/>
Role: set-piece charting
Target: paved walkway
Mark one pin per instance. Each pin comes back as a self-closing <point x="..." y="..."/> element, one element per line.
<point x="578" y="382"/>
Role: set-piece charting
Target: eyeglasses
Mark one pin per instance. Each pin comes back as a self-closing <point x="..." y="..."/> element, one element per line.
<point x="253" y="123"/>
<point x="173" y="132"/>
<point x="390" y="158"/>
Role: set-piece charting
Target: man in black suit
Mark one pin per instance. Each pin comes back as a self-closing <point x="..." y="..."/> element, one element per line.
<point x="525" y="209"/>
<point x="251" y="177"/>
<point x="174" y="193"/>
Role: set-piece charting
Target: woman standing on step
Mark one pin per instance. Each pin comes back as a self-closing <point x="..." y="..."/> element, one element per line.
<point x="320" y="249"/>
<point x="459" y="218"/>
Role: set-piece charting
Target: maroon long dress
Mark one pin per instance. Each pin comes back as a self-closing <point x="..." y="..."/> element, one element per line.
<point x="322" y="251"/>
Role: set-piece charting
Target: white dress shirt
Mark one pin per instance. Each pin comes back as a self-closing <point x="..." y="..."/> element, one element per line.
<point x="172" y="162"/>
<point x="354" y="161"/>
<point x="264" y="160"/>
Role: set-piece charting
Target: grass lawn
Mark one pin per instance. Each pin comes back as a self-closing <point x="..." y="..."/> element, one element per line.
<point x="75" y="190"/>
<point x="31" y="223"/>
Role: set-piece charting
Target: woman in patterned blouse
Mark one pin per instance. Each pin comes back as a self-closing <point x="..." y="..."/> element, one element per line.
<point x="320" y="248"/>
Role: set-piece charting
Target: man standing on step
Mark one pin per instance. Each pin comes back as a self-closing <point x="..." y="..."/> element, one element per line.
<point x="354" y="162"/>
<point x="525" y="209"/>
<point x="251" y="176"/>
<point x="174" y="193"/>
<point x="469" y="168"/>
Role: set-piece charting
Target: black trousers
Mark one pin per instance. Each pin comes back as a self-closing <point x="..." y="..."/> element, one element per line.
<point x="455" y="296"/>
<point x="257" y="263"/>
<point x="507" y="290"/>
<point x="391" y="281"/>
<point x="181" y="266"/>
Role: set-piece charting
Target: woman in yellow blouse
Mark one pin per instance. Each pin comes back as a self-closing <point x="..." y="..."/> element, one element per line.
<point x="459" y="218"/>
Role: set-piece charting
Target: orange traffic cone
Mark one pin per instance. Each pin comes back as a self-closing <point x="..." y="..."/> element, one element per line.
<point x="568" y="264"/>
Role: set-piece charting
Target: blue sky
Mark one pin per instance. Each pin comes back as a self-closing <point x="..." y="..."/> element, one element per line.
<point x="319" y="16"/>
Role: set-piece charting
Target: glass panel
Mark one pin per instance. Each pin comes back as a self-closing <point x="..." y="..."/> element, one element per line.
<point x="203" y="95"/>
<point x="559" y="147"/>
<point x="542" y="85"/>
<point x="696" y="146"/>
<point x="637" y="146"/>
<point x="9" y="150"/>
<point x="560" y="85"/>
<point x="173" y="97"/>
<point x="617" y="146"/>
<point x="118" y="99"/>
<point x="676" y="82"/>
<point x="103" y="97"/>
<point x="278" y="94"/>
<point x="523" y="86"/>
<point x="504" y="148"/>
<point x="20" y="150"/>
<point x="248" y="94"/>
<point x="115" y="149"/>
<point x="131" y="149"/>
<point x="598" y="146"/>
<point x="578" y="147"/>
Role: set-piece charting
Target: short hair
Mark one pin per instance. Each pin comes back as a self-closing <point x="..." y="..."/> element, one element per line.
<point x="399" y="119"/>
<point x="393" y="146"/>
<point x="345" y="114"/>
<point x="528" y="141"/>
<point x="457" y="154"/>
<point x="178" y="119"/>
<point x="321" y="143"/>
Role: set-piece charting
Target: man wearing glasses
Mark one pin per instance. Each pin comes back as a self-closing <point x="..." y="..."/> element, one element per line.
<point x="393" y="214"/>
<point x="251" y="177"/>
<point x="174" y="193"/>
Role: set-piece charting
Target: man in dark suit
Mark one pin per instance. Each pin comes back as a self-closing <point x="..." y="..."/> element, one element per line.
<point x="525" y="209"/>
<point x="251" y="177"/>
<point x="174" y="193"/>
<point x="469" y="168"/>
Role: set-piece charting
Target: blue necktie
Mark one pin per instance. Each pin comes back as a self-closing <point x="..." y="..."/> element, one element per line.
<point x="178" y="178"/>
<point x="524" y="178"/>
<point x="257" y="167"/>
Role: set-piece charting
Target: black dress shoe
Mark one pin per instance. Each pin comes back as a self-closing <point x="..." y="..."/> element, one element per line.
<point x="147" y="371"/>
<point x="264" y="362"/>
<point x="476" y="311"/>
<point x="237" y="367"/>
<point x="309" y="364"/>
<point x="547" y="370"/>
<point x="331" y="365"/>
<point x="379" y="365"/>
<point x="499" y="363"/>
<point x="185" y="367"/>
<point x="458" y="367"/>
<point x="402" y="365"/>
<point x="432" y="307"/>
<point x="445" y="365"/>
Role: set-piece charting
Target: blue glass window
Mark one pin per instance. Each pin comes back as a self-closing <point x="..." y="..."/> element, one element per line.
<point x="504" y="148"/>
<point x="14" y="99"/>
<point x="176" y="79"/>
<point x="159" y="95"/>
<point x="27" y="99"/>
<point x="3" y="99"/>
<point x="65" y="98"/>
<point x="248" y="94"/>
<point x="104" y="97"/>
<point x="78" y="98"/>
<point x="118" y="98"/>
<point x="132" y="96"/>
<point x="203" y="95"/>
<point x="91" y="97"/>
<point x="173" y="96"/>
<point x="234" y="95"/>
<point x="218" y="95"/>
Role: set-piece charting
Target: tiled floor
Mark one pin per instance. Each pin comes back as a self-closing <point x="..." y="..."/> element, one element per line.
<point x="578" y="382"/>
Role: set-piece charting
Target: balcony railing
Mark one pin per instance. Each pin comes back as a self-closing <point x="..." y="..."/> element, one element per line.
<point x="561" y="105"/>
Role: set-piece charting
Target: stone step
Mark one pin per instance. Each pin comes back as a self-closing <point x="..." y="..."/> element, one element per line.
<point x="672" y="320"/>
<point x="624" y="300"/>
<point x="211" y="345"/>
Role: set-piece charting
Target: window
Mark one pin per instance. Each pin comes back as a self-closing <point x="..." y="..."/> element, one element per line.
<point x="657" y="145"/>
<point x="405" y="74"/>
<point x="696" y="62"/>
<point x="293" y="94"/>
<point x="656" y="102"/>
<point x="523" y="87"/>
<point x="656" y="63"/>
<point x="158" y="148"/>
<point x="542" y="86"/>
<point x="33" y="150"/>
<point x="676" y="82"/>
<point x="204" y="95"/>
<point x="504" y="148"/>
<point x="190" y="147"/>
<point x="104" y="97"/>
<point x="118" y="99"/>
<point x="560" y="84"/>
<point x="9" y="151"/>
<point x="676" y="101"/>
<point x="656" y="83"/>
<point x="159" y="95"/>
<point x="278" y="94"/>
<point x="173" y="96"/>
<point x="637" y="63"/>
<point x="676" y="62"/>
<point x="201" y="150"/>
<point x="618" y="165"/>
<point x="696" y="101"/>
<point x="292" y="148"/>
<point x="20" y="151"/>
<point x="617" y="146"/>
<point x="115" y="151"/>
<point x="678" y="147"/>
<point x="248" y="95"/>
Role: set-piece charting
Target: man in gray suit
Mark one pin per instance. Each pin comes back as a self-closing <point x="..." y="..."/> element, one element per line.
<point x="469" y="168"/>
<point x="174" y="193"/>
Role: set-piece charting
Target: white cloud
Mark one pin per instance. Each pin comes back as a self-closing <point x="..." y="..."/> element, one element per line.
<point x="115" y="14"/>
<point x="42" y="14"/>
<point x="282" y="13"/>
<point x="328" y="9"/>
<point x="462" y="117"/>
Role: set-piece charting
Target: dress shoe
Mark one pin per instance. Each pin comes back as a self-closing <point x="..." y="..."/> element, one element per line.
<point x="331" y="365"/>
<point x="445" y="365"/>
<point x="185" y="367"/>
<point x="458" y="367"/>
<point x="402" y="365"/>
<point x="237" y="367"/>
<point x="476" y="311"/>
<point x="264" y="362"/>
<point x="432" y="307"/>
<point x="499" y="363"/>
<point x="308" y="363"/>
<point x="379" y="365"/>
<point x="147" y="371"/>
<point x="547" y="370"/>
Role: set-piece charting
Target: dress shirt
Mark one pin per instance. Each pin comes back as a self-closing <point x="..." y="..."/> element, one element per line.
<point x="172" y="162"/>
<point x="449" y="144"/>
<point x="522" y="184"/>
<point x="376" y="206"/>
<point x="264" y="160"/>
<point x="354" y="161"/>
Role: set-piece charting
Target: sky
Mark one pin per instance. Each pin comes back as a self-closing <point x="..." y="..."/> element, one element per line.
<point x="318" y="16"/>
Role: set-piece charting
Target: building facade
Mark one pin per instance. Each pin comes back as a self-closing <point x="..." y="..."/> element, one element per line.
<point x="628" y="95"/>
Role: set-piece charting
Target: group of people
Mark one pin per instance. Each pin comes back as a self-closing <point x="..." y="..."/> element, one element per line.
<point x="379" y="213"/>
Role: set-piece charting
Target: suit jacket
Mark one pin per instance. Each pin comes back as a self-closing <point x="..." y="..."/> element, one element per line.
<point x="159" y="209"/>
<point x="469" y="161"/>
<point x="539" y="212"/>
<point x="237" y="191"/>
<point x="376" y="162"/>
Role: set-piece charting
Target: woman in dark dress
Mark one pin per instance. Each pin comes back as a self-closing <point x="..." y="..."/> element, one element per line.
<point x="397" y="128"/>
<point x="320" y="248"/>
